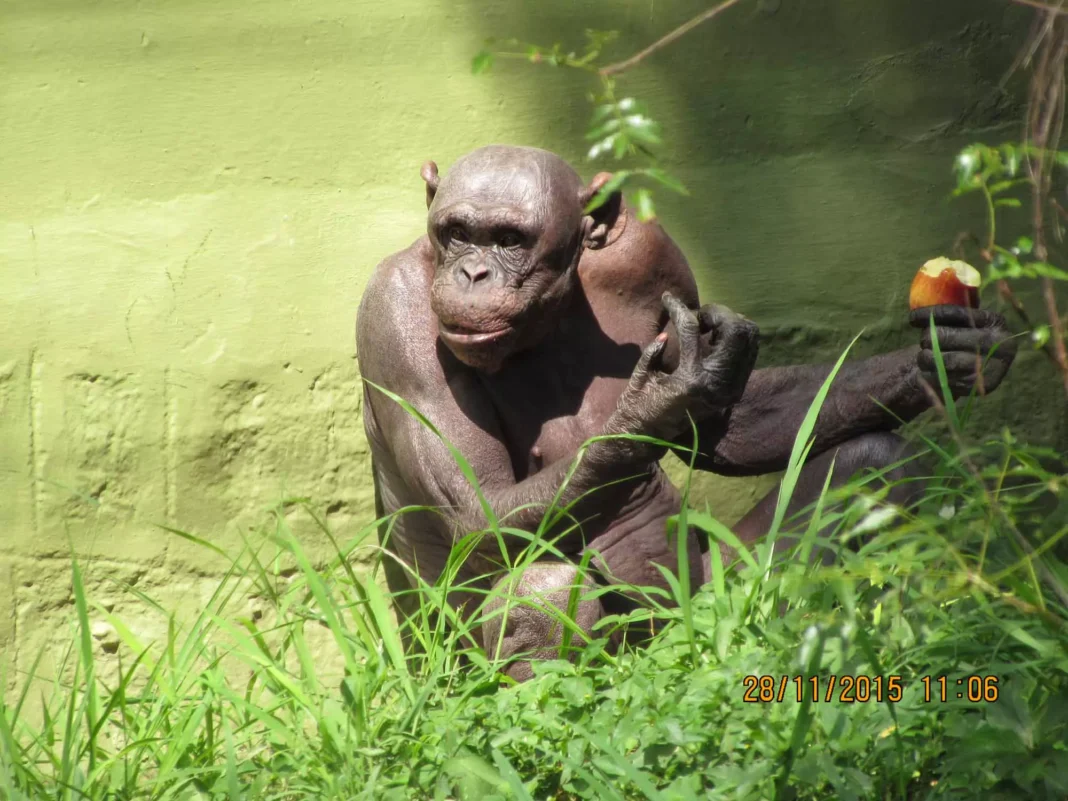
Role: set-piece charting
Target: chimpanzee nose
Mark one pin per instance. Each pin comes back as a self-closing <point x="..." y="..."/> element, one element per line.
<point x="475" y="272"/>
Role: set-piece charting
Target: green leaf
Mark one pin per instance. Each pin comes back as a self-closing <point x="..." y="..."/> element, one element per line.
<point x="642" y="129"/>
<point x="612" y="185"/>
<point x="670" y="181"/>
<point x="1044" y="270"/>
<point x="1005" y="265"/>
<point x="643" y="200"/>
<point x="1040" y="336"/>
<point x="967" y="166"/>
<point x="597" y="39"/>
<point x="803" y="443"/>
<point x="481" y="62"/>
<point x="604" y="146"/>
<point x="475" y="775"/>
<point x="610" y="126"/>
<point x="603" y="112"/>
<point x="943" y="379"/>
<point x="721" y="533"/>
<point x="1010" y="157"/>
<point x="509" y="774"/>
<point x="1010" y="202"/>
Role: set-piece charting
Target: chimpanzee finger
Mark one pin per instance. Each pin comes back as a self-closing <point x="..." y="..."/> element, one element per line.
<point x="689" y="330"/>
<point x="982" y="340"/>
<point x="711" y="318"/>
<point x="957" y="363"/>
<point x="955" y="317"/>
<point x="736" y="345"/>
<point x="650" y="360"/>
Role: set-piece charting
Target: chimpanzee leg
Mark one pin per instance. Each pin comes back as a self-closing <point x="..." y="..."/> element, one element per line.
<point x="532" y="630"/>
<point x="877" y="451"/>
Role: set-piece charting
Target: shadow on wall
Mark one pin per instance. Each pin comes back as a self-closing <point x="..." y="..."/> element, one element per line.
<point x="816" y="136"/>
<point x="817" y="139"/>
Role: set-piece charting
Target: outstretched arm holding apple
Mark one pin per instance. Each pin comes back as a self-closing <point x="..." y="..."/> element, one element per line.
<point x="869" y="395"/>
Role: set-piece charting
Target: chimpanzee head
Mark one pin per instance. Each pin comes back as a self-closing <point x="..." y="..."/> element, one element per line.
<point x="508" y="228"/>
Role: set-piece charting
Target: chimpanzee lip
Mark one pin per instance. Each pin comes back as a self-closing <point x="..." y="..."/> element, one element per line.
<point x="461" y="335"/>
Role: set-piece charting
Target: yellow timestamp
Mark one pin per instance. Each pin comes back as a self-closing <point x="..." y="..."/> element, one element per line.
<point x="861" y="689"/>
<point x="966" y="688"/>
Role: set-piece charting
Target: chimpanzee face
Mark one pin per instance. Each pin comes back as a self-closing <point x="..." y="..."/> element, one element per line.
<point x="507" y="229"/>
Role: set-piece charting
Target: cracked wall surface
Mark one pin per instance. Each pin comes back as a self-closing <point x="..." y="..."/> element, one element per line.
<point x="193" y="194"/>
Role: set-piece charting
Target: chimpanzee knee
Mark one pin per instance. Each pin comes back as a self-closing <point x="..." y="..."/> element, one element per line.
<point x="876" y="451"/>
<point x="532" y="628"/>
<point x="879" y="451"/>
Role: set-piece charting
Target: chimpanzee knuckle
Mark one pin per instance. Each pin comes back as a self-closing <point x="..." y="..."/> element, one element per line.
<point x="1000" y="338"/>
<point x="739" y="331"/>
<point x="1005" y="350"/>
<point x="992" y="320"/>
<point x="709" y="318"/>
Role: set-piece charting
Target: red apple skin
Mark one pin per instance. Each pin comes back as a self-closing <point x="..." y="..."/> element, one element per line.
<point x="945" y="289"/>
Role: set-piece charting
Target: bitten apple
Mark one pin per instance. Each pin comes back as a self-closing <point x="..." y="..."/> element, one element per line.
<point x="944" y="282"/>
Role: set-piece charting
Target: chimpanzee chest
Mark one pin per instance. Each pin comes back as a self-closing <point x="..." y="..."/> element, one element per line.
<point x="551" y="400"/>
<point x="548" y="415"/>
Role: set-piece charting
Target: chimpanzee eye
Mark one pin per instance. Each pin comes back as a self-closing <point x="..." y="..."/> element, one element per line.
<point x="509" y="239"/>
<point x="457" y="233"/>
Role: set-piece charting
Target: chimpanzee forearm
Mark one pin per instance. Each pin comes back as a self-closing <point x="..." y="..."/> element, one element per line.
<point x="758" y="433"/>
<point x="593" y="495"/>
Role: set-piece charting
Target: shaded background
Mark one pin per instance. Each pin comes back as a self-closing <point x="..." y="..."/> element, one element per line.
<point x="193" y="194"/>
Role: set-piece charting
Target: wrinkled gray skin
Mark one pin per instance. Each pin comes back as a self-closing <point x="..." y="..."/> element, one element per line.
<point x="521" y="327"/>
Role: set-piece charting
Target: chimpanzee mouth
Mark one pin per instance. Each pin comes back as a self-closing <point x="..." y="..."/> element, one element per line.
<point x="464" y="336"/>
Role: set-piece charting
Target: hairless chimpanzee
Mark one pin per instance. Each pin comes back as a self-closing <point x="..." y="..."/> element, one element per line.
<point x="521" y="327"/>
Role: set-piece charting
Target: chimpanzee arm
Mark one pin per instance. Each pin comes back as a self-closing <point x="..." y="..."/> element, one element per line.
<point x="757" y="434"/>
<point x="869" y="395"/>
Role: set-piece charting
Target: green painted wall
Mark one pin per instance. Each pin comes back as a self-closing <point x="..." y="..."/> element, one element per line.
<point x="193" y="193"/>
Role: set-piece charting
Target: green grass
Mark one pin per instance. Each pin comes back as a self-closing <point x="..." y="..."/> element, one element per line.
<point x="318" y="699"/>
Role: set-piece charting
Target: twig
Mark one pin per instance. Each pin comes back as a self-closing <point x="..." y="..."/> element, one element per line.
<point x="1009" y="297"/>
<point x="1045" y="119"/>
<point x="1057" y="329"/>
<point x="682" y="30"/>
<point x="1042" y="6"/>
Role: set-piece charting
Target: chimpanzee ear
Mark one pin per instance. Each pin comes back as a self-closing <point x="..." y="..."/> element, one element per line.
<point x="430" y="175"/>
<point x="602" y="220"/>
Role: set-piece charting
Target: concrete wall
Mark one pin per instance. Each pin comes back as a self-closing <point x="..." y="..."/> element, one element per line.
<point x="193" y="193"/>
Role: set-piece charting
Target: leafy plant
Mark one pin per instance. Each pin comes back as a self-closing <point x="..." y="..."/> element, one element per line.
<point x="620" y="127"/>
<point x="229" y="707"/>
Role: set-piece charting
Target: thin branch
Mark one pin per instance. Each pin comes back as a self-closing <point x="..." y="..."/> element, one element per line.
<point x="1006" y="293"/>
<point x="1042" y="6"/>
<point x="1043" y="127"/>
<point x="682" y="30"/>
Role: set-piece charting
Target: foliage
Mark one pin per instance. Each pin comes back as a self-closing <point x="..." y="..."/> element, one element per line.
<point x="619" y="126"/>
<point x="997" y="174"/>
<point x="968" y="585"/>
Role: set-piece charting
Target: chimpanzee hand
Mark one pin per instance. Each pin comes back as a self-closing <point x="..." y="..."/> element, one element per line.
<point x="709" y="377"/>
<point x="969" y="339"/>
